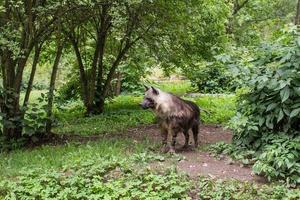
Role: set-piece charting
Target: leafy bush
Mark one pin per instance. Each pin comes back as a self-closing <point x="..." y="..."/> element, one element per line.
<point x="132" y="74"/>
<point x="280" y="159"/>
<point x="70" y="90"/>
<point x="211" y="77"/>
<point x="268" y="112"/>
<point x="34" y="122"/>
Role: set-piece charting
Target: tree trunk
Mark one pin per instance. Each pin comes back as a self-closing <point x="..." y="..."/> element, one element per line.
<point x="297" y="18"/>
<point x="83" y="78"/>
<point x="11" y="121"/>
<point x="37" y="52"/>
<point x="52" y="86"/>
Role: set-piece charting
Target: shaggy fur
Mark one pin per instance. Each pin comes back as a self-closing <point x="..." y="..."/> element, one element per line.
<point x="175" y="114"/>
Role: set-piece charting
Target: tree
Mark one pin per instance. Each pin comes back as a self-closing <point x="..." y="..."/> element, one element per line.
<point x="59" y="45"/>
<point x="24" y="25"/>
<point x="191" y="32"/>
<point x="297" y="18"/>
<point x="110" y="29"/>
<point x="254" y="21"/>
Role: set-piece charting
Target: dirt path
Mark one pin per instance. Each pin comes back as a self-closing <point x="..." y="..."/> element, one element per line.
<point x="195" y="163"/>
<point x="199" y="163"/>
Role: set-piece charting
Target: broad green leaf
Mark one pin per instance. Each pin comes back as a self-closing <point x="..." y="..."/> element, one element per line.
<point x="261" y="121"/>
<point x="280" y="115"/>
<point x="295" y="112"/>
<point x="271" y="106"/>
<point x="269" y="122"/>
<point x="285" y="94"/>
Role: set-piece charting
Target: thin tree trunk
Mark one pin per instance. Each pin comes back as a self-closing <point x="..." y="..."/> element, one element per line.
<point x="96" y="80"/>
<point x="297" y="18"/>
<point x="52" y="87"/>
<point x="83" y="78"/>
<point x="98" y="93"/>
<point x="113" y="68"/>
<point x="92" y="77"/>
<point x="37" y="51"/>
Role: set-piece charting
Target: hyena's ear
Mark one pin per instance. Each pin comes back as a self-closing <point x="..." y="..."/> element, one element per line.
<point x="146" y="88"/>
<point x="155" y="91"/>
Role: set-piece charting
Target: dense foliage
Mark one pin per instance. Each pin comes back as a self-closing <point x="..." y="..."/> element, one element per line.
<point x="268" y="113"/>
<point x="211" y="77"/>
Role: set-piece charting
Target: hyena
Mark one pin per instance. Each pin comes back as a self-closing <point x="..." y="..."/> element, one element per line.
<point x="175" y="115"/>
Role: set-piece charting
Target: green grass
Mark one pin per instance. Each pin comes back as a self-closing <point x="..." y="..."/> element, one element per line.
<point x="127" y="178"/>
<point x="54" y="157"/>
<point x="34" y="95"/>
<point x="120" y="114"/>
<point x="175" y="87"/>
<point x="221" y="108"/>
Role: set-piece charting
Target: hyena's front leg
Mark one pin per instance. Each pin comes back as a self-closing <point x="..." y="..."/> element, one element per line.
<point x="173" y="141"/>
<point x="164" y="136"/>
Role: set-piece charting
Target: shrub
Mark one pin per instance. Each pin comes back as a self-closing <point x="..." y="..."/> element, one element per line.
<point x="70" y="90"/>
<point x="280" y="159"/>
<point x="211" y="77"/>
<point x="268" y="111"/>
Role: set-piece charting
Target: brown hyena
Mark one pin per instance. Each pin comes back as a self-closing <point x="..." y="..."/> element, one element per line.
<point x="175" y="115"/>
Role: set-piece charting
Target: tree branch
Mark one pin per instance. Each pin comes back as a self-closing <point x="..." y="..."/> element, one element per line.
<point x="238" y="6"/>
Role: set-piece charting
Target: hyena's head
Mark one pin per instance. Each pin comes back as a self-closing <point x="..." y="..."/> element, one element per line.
<point x="150" y="98"/>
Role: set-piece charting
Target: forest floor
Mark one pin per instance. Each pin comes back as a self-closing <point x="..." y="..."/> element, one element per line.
<point x="199" y="162"/>
<point x="193" y="162"/>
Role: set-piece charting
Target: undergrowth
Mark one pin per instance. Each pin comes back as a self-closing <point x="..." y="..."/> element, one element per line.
<point x="235" y="190"/>
<point x="101" y="179"/>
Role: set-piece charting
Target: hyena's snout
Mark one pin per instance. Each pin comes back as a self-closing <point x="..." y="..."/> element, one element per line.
<point x="147" y="103"/>
<point x="143" y="105"/>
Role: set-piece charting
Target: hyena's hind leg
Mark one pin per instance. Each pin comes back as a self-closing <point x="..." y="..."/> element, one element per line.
<point x="187" y="138"/>
<point x="195" y="129"/>
<point x="173" y="141"/>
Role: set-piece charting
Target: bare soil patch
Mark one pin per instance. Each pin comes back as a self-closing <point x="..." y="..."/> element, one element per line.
<point x="200" y="163"/>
